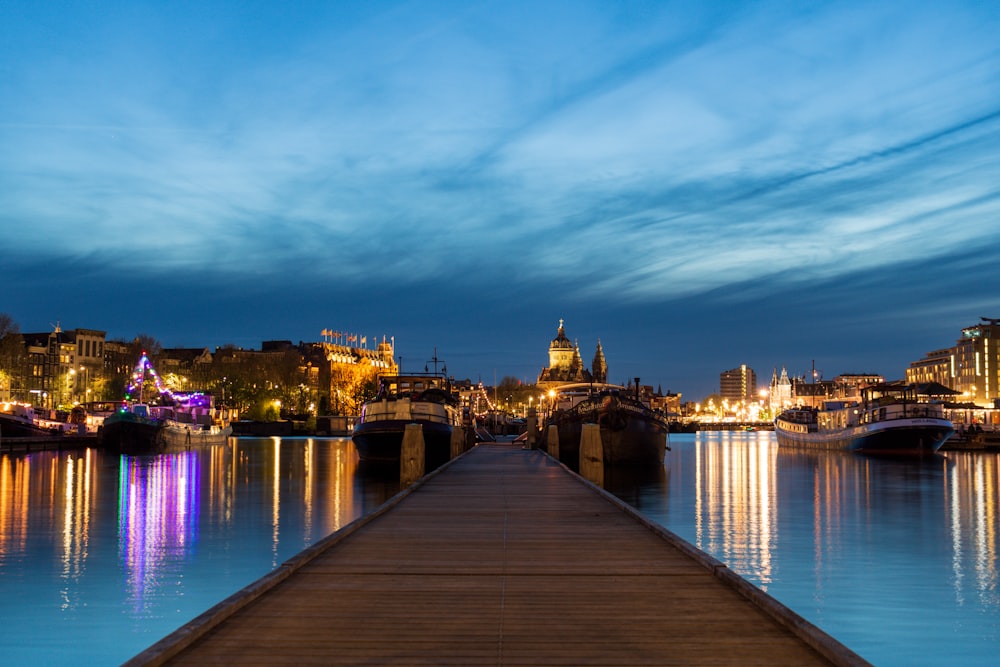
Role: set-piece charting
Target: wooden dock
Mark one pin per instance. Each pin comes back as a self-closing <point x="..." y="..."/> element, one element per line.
<point x="502" y="557"/>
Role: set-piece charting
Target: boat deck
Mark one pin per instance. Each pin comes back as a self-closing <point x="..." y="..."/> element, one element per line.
<point x="503" y="557"/>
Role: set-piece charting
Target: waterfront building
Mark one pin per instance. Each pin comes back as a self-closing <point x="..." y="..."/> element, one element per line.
<point x="185" y="367"/>
<point x="738" y="384"/>
<point x="566" y="364"/>
<point x="669" y="402"/>
<point x="59" y="367"/>
<point x="971" y="366"/>
<point x="780" y="391"/>
<point x="346" y="375"/>
<point x="813" y="394"/>
<point x="786" y="392"/>
<point x="849" y="385"/>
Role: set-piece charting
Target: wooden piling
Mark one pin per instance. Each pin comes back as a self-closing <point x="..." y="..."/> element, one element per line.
<point x="552" y="441"/>
<point x="411" y="455"/>
<point x="532" y="424"/>
<point x="457" y="441"/>
<point x="592" y="454"/>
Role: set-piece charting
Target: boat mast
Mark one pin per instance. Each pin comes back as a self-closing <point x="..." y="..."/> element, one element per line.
<point x="435" y="360"/>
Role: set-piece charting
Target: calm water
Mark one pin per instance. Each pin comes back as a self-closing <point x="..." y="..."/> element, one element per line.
<point x="895" y="558"/>
<point x="102" y="556"/>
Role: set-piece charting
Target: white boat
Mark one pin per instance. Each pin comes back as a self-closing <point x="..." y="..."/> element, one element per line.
<point x="420" y="398"/>
<point x="889" y="419"/>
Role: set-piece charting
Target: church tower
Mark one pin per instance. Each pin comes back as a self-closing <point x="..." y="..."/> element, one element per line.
<point x="560" y="352"/>
<point x="599" y="369"/>
<point x="566" y="364"/>
<point x="781" y="390"/>
<point x="576" y="366"/>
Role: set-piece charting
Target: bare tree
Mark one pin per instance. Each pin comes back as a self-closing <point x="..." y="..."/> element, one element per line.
<point x="11" y="353"/>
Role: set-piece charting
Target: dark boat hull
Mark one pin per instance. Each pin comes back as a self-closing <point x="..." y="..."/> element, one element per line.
<point x="128" y="434"/>
<point x="380" y="442"/>
<point x="631" y="435"/>
<point x="12" y="427"/>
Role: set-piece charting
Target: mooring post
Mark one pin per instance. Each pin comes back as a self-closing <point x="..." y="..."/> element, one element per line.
<point x="457" y="440"/>
<point x="592" y="454"/>
<point x="532" y="425"/>
<point x="552" y="441"/>
<point x="411" y="455"/>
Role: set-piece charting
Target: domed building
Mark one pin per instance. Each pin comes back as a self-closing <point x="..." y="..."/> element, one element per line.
<point x="566" y="364"/>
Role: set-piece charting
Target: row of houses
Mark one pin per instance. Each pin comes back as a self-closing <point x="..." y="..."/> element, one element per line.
<point x="61" y="368"/>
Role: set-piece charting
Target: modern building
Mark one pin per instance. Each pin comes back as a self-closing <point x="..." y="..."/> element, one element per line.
<point x="971" y="366"/>
<point x="738" y="384"/>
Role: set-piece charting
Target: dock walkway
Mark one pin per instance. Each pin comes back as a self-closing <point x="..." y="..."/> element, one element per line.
<point x="503" y="557"/>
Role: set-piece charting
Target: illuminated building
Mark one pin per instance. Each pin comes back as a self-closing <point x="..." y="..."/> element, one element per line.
<point x="738" y="384"/>
<point x="60" y="367"/>
<point x="780" y="392"/>
<point x="566" y="364"/>
<point x="971" y="366"/>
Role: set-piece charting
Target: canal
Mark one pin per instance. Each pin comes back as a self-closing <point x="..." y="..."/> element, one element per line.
<point x="101" y="556"/>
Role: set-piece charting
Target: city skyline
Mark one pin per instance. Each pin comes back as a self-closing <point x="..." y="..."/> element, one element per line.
<point x="753" y="390"/>
<point x="697" y="185"/>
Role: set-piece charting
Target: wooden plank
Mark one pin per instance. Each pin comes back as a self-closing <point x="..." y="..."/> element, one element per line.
<point x="503" y="558"/>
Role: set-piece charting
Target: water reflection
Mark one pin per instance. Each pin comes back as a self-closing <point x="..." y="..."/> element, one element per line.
<point x="971" y="489"/>
<point x="864" y="547"/>
<point x="102" y="555"/>
<point x="76" y="524"/>
<point x="734" y="500"/>
<point x="158" y="521"/>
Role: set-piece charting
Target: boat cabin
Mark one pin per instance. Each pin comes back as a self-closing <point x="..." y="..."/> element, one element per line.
<point x="409" y="386"/>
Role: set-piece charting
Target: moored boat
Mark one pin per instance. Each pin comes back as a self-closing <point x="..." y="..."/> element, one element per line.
<point x="889" y="419"/>
<point x="18" y="421"/>
<point x="186" y="419"/>
<point x="143" y="429"/>
<point x="632" y="434"/>
<point x="419" y="398"/>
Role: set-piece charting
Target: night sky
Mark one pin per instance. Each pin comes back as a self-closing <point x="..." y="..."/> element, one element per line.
<point x="699" y="185"/>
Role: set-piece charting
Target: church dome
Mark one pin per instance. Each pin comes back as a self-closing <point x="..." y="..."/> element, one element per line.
<point x="561" y="341"/>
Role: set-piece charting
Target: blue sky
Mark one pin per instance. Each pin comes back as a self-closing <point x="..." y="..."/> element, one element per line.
<point x="699" y="185"/>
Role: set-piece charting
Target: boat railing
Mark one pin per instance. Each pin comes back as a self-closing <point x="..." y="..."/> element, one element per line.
<point x="902" y="410"/>
<point x="793" y="426"/>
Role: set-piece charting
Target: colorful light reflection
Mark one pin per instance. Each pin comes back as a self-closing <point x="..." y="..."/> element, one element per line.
<point x="158" y="501"/>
